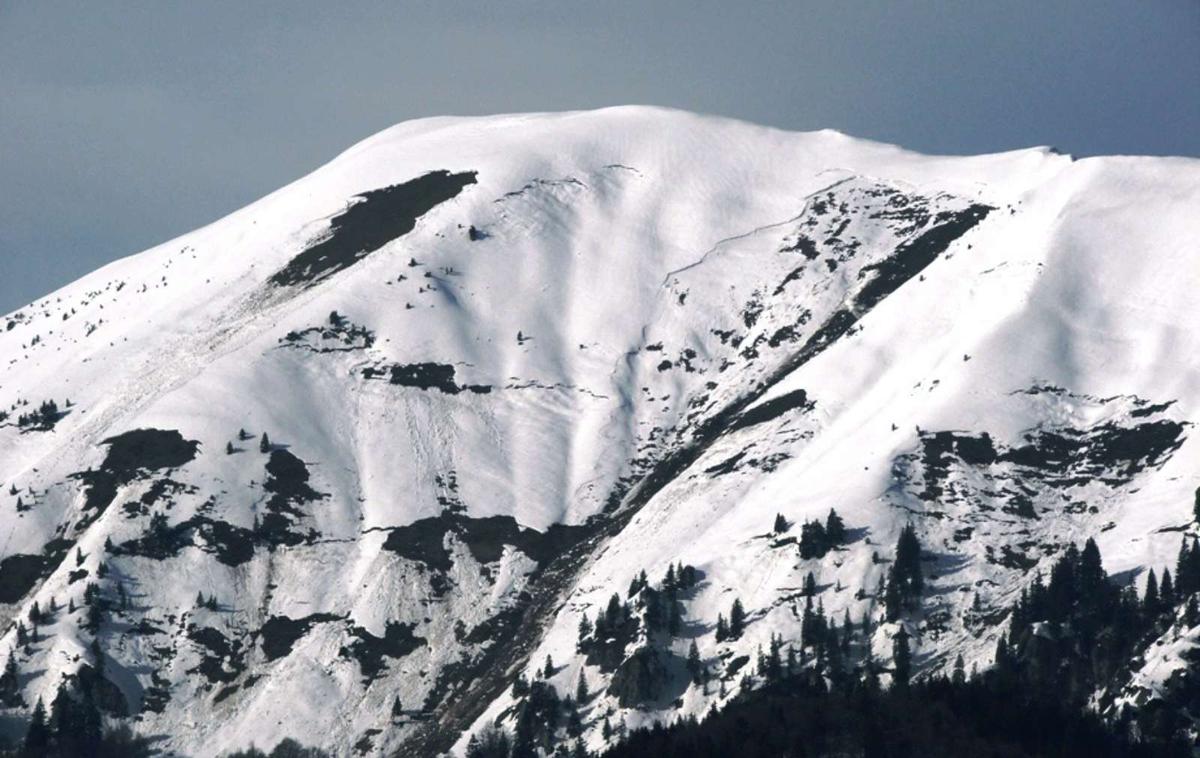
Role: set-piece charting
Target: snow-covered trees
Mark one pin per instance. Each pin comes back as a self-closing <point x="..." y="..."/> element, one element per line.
<point x="817" y="539"/>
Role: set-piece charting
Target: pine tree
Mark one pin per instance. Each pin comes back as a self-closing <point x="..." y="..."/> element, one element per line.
<point x="694" y="665"/>
<point x="1193" y="568"/>
<point x="585" y="631"/>
<point x="264" y="443"/>
<point x="1182" y="575"/>
<point x="774" y="660"/>
<point x="1092" y="577"/>
<point x="959" y="676"/>
<point x="1196" y="506"/>
<point x="722" y="629"/>
<point x="397" y="708"/>
<point x="548" y="670"/>
<point x="97" y="656"/>
<point x="835" y="528"/>
<point x="1191" y="612"/>
<point x="1166" y="590"/>
<point x="1150" y="599"/>
<point x="893" y="599"/>
<point x="228" y="448"/>
<point x="814" y="543"/>
<point x="37" y="736"/>
<point x="582" y="694"/>
<point x="901" y="658"/>
<point x="810" y="585"/>
<point x="737" y="619"/>
<point x="10" y="684"/>
<point x="781" y="524"/>
<point x="674" y="617"/>
<point x="907" y="567"/>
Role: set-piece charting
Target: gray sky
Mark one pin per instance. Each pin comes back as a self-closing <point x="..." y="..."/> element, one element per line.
<point x="123" y="124"/>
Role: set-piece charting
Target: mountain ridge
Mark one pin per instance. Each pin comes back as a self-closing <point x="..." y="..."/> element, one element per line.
<point x="539" y="348"/>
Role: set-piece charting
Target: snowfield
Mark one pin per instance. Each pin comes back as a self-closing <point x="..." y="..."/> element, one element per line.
<point x="594" y="344"/>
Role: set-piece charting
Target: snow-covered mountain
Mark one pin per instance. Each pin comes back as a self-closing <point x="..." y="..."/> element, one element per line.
<point x="507" y="364"/>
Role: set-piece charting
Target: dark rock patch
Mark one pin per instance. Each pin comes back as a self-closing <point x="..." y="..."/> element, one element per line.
<point x="424" y="541"/>
<point x="914" y="255"/>
<point x="397" y="641"/>
<point x="651" y="676"/>
<point x="287" y="483"/>
<point x="727" y="466"/>
<point x="19" y="573"/>
<point x="773" y="408"/>
<point x="341" y="336"/>
<point x="130" y="455"/>
<point x="377" y="218"/>
<point x="280" y="634"/>
<point x="223" y="660"/>
<point x="426" y="376"/>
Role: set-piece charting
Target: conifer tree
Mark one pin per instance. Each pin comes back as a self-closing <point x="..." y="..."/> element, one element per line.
<point x="97" y="656"/>
<point x="1166" y="590"/>
<point x="1150" y="599"/>
<point x="814" y="543"/>
<point x="737" y="619"/>
<point x="892" y="597"/>
<point x="847" y="632"/>
<point x="1191" y="612"/>
<point x="781" y="524"/>
<point x="37" y="735"/>
<point x="1182" y="575"/>
<point x="582" y="694"/>
<point x="722" y="629"/>
<point x="959" y="676"/>
<point x="835" y="528"/>
<point x="264" y="444"/>
<point x="901" y="658"/>
<point x="585" y="631"/>
<point x="10" y="687"/>
<point x="228" y="448"/>
<point x="774" y="660"/>
<point x="694" y="664"/>
<point x="810" y="585"/>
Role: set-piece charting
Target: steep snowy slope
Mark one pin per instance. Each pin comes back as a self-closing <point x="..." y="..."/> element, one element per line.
<point x="506" y="364"/>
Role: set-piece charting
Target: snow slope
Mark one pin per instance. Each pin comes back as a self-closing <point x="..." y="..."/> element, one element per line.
<point x="602" y="321"/>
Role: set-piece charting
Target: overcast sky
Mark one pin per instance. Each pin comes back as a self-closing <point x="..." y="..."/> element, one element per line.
<point x="124" y="124"/>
